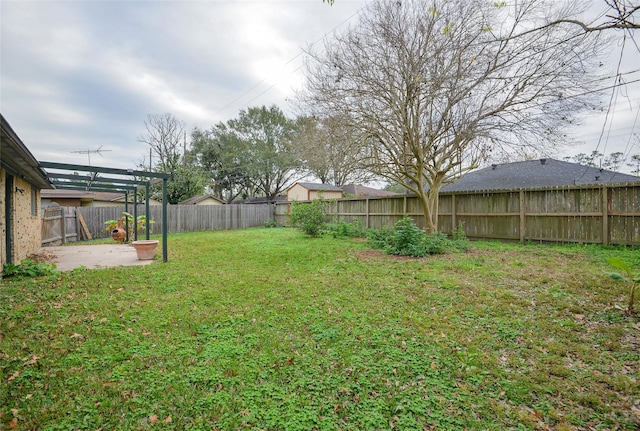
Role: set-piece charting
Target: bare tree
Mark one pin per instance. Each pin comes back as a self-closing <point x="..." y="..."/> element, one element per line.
<point x="331" y="151"/>
<point x="166" y="137"/>
<point x="435" y="86"/>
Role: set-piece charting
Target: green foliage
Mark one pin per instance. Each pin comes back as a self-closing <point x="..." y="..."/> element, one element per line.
<point x="354" y="229"/>
<point x="270" y="223"/>
<point x="459" y="239"/>
<point x="459" y="234"/>
<point x="253" y="153"/>
<point x="309" y="217"/>
<point x="141" y="224"/>
<point x="29" y="268"/>
<point x="627" y="275"/>
<point x="407" y="239"/>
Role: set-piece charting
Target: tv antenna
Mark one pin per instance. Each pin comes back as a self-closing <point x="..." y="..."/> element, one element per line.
<point x="89" y="152"/>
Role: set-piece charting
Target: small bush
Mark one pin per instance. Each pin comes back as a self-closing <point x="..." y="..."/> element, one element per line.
<point x="354" y="229"/>
<point x="309" y="217"/>
<point x="29" y="268"/>
<point x="380" y="239"/>
<point x="459" y="239"/>
<point x="270" y="223"/>
<point x="407" y="239"/>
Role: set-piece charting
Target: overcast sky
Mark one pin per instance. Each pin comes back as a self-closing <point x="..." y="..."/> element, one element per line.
<point x="82" y="75"/>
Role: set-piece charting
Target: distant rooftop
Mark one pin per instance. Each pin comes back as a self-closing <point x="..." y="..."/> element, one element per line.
<point x="536" y="174"/>
<point x="320" y="187"/>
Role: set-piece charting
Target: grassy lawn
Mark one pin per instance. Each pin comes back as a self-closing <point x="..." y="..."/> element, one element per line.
<point x="269" y="329"/>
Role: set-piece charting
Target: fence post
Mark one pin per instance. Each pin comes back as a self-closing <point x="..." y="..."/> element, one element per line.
<point x="523" y="224"/>
<point x="605" y="215"/>
<point x="63" y="225"/>
<point x="367" y="210"/>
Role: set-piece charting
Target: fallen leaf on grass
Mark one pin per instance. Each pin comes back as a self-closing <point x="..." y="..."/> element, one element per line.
<point x="153" y="419"/>
<point x="14" y="375"/>
<point x="168" y="419"/>
<point x="32" y="361"/>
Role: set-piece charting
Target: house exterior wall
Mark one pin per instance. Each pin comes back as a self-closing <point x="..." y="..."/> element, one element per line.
<point x="95" y="203"/>
<point x="325" y="195"/>
<point x="3" y="235"/>
<point x="26" y="235"/>
<point x="300" y="193"/>
<point x="297" y="193"/>
<point x="209" y="201"/>
<point x="27" y="231"/>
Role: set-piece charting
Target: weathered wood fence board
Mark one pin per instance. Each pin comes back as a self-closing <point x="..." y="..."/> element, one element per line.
<point x="586" y="214"/>
<point x="59" y="226"/>
<point x="183" y="218"/>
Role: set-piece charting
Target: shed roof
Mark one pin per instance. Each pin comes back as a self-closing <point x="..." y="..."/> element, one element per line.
<point x="534" y="174"/>
<point x="195" y="199"/>
<point x="319" y="187"/>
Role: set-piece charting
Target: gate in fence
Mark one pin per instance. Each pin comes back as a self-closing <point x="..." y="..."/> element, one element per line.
<point x="61" y="225"/>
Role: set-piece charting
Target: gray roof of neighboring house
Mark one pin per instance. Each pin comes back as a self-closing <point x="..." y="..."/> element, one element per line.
<point x="17" y="158"/>
<point x="195" y="199"/>
<point x="358" y="190"/>
<point x="319" y="187"/>
<point x="536" y="174"/>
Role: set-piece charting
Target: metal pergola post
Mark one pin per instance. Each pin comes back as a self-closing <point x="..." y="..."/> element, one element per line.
<point x="147" y="210"/>
<point x="165" y="254"/>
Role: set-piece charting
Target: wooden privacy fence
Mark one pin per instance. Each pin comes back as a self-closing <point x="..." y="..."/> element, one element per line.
<point x="182" y="218"/>
<point x="61" y="225"/>
<point x="605" y="214"/>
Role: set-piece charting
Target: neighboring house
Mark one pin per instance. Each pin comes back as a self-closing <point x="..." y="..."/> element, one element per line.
<point x="202" y="200"/>
<point x="261" y="200"/>
<point x="536" y="174"/>
<point x="79" y="198"/>
<point x="311" y="191"/>
<point x="358" y="191"/>
<point x="21" y="181"/>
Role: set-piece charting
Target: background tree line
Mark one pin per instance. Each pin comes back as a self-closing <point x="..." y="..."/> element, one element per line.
<point x="258" y="154"/>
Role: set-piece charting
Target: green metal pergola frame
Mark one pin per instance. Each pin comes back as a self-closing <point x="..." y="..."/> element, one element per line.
<point x="132" y="181"/>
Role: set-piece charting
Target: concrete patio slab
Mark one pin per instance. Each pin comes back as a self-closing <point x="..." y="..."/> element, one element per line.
<point x="66" y="258"/>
